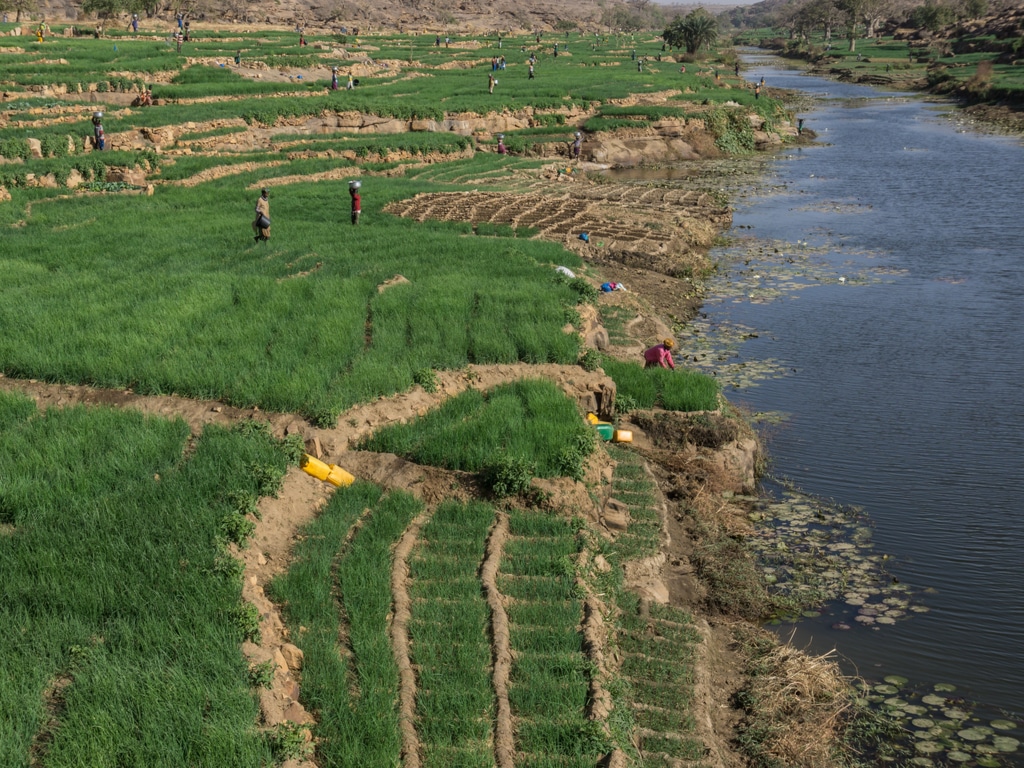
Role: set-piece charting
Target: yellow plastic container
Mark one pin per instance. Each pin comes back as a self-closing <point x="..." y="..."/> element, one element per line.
<point x="622" y="436"/>
<point x="592" y="418"/>
<point x="329" y="473"/>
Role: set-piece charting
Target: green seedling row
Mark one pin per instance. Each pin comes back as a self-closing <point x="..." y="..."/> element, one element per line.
<point x="552" y="613"/>
<point x="450" y="637"/>
<point x="119" y="617"/>
<point x="631" y="485"/>
<point x="338" y="588"/>
<point x="549" y="678"/>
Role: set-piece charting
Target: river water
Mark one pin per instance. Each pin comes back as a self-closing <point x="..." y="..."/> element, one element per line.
<point x="880" y="311"/>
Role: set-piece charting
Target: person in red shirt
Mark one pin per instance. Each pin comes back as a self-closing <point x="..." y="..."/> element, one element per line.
<point x="660" y="355"/>
<point x="356" y="204"/>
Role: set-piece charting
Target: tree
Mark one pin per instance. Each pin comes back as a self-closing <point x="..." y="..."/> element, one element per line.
<point x="824" y="14"/>
<point x="698" y="29"/>
<point x="19" y="7"/>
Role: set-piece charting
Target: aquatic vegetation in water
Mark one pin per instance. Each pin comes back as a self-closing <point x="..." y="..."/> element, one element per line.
<point x="814" y="553"/>
<point x="940" y="728"/>
<point x="759" y="271"/>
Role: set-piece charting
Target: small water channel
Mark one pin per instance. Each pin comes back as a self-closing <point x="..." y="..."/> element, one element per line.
<point x="870" y="306"/>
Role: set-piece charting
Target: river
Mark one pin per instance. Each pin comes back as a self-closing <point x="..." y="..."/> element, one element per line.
<point x="880" y="310"/>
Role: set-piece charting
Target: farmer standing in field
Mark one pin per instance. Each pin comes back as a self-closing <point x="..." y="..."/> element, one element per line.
<point x="490" y="83"/>
<point x="261" y="226"/>
<point x="660" y="355"/>
<point x="334" y="78"/>
<point x="577" y="145"/>
<point x="531" y="71"/>
<point x="357" y="202"/>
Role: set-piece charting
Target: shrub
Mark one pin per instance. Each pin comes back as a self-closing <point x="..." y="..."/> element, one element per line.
<point x="588" y="293"/>
<point x="426" y="378"/>
<point x="509" y="476"/>
<point x="590" y="360"/>
<point x="289" y="741"/>
<point x="14" y="148"/>
<point x="246" y="618"/>
<point x="261" y="675"/>
<point x="236" y="528"/>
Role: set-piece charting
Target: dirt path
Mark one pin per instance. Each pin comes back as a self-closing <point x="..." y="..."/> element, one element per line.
<point x="501" y="644"/>
<point x="402" y="613"/>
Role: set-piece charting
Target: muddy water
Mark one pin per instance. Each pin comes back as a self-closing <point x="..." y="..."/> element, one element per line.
<point x="874" y="300"/>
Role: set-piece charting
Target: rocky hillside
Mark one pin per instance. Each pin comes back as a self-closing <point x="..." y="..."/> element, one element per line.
<point x="997" y="33"/>
<point x="412" y="16"/>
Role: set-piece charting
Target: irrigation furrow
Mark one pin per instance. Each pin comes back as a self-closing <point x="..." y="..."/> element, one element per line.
<point x="400" y="640"/>
<point x="504" y="742"/>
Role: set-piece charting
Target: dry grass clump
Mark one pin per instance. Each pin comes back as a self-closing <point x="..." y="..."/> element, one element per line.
<point x="797" y="706"/>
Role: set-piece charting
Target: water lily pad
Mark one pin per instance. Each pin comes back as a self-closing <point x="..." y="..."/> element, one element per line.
<point x="1003" y="725"/>
<point x="921" y="761"/>
<point x="886" y="688"/>
<point x="957" y="756"/>
<point x="945" y="687"/>
<point x="1005" y="743"/>
<point x="923" y="722"/>
<point x="895" y="703"/>
<point x="928" y="747"/>
<point x="932" y="700"/>
<point x="988" y="762"/>
<point x="885" y="620"/>
<point x="954" y="713"/>
<point x="977" y="733"/>
<point x="984" y="748"/>
<point x="914" y="709"/>
<point x="896" y="680"/>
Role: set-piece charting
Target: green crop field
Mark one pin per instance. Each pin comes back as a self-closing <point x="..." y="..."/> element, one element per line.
<point x="134" y="270"/>
<point x="120" y="613"/>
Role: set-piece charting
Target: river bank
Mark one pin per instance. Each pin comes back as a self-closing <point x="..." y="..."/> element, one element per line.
<point x="864" y="226"/>
<point x="998" y="114"/>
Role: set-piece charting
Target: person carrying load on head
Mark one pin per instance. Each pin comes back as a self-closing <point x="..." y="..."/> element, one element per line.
<point x="98" y="139"/>
<point x="577" y="145"/>
<point x="660" y="355"/>
<point x="334" y="78"/>
<point x="261" y="226"/>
